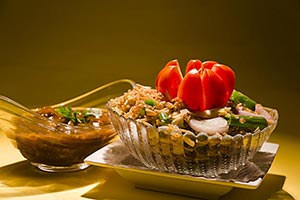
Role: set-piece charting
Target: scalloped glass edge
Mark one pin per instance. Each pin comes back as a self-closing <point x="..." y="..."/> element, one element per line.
<point x="144" y="142"/>
<point x="117" y="156"/>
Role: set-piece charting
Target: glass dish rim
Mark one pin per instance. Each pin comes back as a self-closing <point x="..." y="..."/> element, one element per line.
<point x="271" y="127"/>
<point x="64" y="103"/>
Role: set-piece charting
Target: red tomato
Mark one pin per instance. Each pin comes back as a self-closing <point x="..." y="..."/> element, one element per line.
<point x="193" y="64"/>
<point x="191" y="90"/>
<point x="209" y="64"/>
<point x="228" y="77"/>
<point x="205" y="86"/>
<point x="169" y="79"/>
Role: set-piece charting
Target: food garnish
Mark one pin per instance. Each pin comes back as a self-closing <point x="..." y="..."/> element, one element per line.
<point x="240" y="98"/>
<point x="76" y="116"/>
<point x="207" y="91"/>
<point x="204" y="100"/>
<point x="169" y="79"/>
<point x="150" y="102"/>
<point x="205" y="85"/>
<point x="73" y="116"/>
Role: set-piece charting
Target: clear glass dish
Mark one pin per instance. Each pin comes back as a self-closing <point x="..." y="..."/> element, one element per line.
<point x="165" y="148"/>
<point x="248" y="177"/>
<point x="58" y="147"/>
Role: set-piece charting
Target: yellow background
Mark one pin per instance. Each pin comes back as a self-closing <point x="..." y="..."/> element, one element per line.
<point x="51" y="51"/>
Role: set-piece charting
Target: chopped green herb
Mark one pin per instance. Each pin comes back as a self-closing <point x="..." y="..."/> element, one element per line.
<point x="67" y="113"/>
<point x="143" y="112"/>
<point x="76" y="117"/>
<point x="164" y="118"/>
<point x="150" y="102"/>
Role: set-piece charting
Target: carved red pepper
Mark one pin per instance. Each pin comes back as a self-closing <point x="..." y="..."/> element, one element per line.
<point x="205" y="86"/>
<point x="169" y="79"/>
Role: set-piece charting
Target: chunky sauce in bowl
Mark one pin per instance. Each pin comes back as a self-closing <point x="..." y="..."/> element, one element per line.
<point x="75" y="133"/>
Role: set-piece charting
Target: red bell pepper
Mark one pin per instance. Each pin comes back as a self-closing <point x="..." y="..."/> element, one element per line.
<point x="205" y="86"/>
<point x="169" y="79"/>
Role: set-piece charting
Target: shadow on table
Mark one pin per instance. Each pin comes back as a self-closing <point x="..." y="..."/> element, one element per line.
<point x="270" y="188"/>
<point x="22" y="179"/>
<point x="118" y="188"/>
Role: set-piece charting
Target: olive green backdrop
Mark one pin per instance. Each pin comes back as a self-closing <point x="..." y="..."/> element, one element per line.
<point x="54" y="50"/>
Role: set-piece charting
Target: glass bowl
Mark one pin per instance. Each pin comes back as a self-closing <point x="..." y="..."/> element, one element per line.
<point x="175" y="150"/>
<point x="56" y="146"/>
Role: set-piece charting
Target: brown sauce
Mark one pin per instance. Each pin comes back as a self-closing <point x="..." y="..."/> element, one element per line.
<point x="67" y="143"/>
